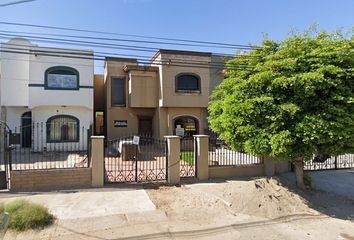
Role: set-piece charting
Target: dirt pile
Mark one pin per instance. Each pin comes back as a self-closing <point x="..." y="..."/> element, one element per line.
<point x="262" y="197"/>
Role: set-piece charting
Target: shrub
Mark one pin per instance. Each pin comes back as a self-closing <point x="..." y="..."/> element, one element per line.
<point x="25" y="215"/>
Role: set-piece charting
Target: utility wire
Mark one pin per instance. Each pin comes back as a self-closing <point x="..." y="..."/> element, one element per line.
<point x="16" y="2"/>
<point x="95" y="44"/>
<point x="127" y="35"/>
<point x="141" y="59"/>
<point x="103" y="58"/>
<point x="126" y="40"/>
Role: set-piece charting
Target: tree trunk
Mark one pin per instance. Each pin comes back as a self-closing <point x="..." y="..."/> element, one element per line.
<point x="299" y="171"/>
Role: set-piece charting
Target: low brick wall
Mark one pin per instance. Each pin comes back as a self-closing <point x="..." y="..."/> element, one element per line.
<point x="50" y="179"/>
<point x="236" y="171"/>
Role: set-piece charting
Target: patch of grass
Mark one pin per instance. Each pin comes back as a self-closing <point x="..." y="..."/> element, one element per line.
<point x="25" y="215"/>
<point x="188" y="157"/>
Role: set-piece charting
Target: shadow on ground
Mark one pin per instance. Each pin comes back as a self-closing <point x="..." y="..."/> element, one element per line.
<point x="328" y="203"/>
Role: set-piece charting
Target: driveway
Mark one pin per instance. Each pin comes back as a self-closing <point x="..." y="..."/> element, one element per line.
<point x="339" y="182"/>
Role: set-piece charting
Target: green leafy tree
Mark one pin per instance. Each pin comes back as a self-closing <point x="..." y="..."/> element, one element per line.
<point x="289" y="100"/>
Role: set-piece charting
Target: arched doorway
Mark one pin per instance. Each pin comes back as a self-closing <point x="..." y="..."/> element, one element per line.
<point x="188" y="123"/>
<point x="26" y="129"/>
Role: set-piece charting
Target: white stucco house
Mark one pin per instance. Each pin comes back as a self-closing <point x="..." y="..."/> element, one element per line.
<point x="46" y="94"/>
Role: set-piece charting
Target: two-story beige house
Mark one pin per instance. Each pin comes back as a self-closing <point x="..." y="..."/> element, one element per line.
<point x="169" y="96"/>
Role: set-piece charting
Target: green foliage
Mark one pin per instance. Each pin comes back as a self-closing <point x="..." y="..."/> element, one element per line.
<point x="188" y="157"/>
<point x="25" y="215"/>
<point x="290" y="99"/>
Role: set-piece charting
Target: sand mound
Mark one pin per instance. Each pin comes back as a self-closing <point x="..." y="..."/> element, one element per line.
<point x="261" y="197"/>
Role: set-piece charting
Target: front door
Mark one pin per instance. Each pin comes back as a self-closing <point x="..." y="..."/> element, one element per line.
<point x="145" y="126"/>
<point x="26" y="129"/>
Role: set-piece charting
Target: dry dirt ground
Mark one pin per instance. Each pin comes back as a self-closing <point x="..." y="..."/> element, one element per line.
<point x="219" y="209"/>
<point x="258" y="209"/>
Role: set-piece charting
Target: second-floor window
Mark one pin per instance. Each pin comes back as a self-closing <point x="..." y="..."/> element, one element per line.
<point x="187" y="83"/>
<point x="62" y="78"/>
<point x="118" y="92"/>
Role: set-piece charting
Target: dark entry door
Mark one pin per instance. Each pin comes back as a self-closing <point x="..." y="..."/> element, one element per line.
<point x="145" y="126"/>
<point x="26" y="123"/>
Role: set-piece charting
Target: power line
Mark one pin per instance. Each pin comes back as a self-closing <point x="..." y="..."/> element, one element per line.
<point x="103" y="58"/>
<point x="126" y="40"/>
<point x="94" y="44"/>
<point x="16" y="2"/>
<point x="78" y="51"/>
<point x="141" y="58"/>
<point x="127" y="35"/>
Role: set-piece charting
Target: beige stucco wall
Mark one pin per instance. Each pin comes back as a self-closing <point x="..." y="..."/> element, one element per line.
<point x="152" y="93"/>
<point x="143" y="89"/>
<point x="168" y="115"/>
<point x="170" y="98"/>
<point x="132" y="116"/>
<point x="236" y="171"/>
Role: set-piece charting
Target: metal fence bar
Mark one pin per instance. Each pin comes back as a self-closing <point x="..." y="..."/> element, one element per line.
<point x="345" y="161"/>
<point x="60" y="145"/>
<point x="220" y="154"/>
<point x="126" y="161"/>
<point x="187" y="158"/>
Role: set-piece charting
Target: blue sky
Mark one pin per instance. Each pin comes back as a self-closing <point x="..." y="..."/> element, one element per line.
<point x="231" y="21"/>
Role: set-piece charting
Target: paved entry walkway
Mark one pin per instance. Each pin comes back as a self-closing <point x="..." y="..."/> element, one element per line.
<point x="92" y="202"/>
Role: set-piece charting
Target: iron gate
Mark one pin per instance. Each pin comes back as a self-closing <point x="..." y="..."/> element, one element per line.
<point x="5" y="156"/>
<point x="330" y="163"/>
<point x="135" y="159"/>
<point x="188" y="158"/>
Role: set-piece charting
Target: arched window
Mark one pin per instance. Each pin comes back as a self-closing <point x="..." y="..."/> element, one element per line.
<point x="189" y="125"/>
<point x="62" y="78"/>
<point x="62" y="128"/>
<point x="187" y="83"/>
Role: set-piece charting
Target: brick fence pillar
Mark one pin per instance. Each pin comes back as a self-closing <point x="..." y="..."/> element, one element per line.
<point x="202" y="152"/>
<point x="97" y="160"/>
<point x="173" y="159"/>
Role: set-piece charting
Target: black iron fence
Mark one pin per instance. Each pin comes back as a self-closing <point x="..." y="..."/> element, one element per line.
<point x="188" y="157"/>
<point x="220" y="154"/>
<point x="135" y="159"/>
<point x="330" y="162"/>
<point x="43" y="146"/>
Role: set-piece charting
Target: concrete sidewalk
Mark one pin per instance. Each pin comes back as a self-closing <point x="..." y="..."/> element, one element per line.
<point x="339" y="182"/>
<point x="90" y="203"/>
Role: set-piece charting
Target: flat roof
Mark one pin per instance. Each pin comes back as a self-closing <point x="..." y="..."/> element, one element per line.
<point x="181" y="52"/>
<point x="120" y="59"/>
<point x="140" y="68"/>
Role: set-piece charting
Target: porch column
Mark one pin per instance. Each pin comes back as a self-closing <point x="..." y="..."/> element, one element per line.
<point x="202" y="152"/>
<point x="97" y="160"/>
<point x="173" y="159"/>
